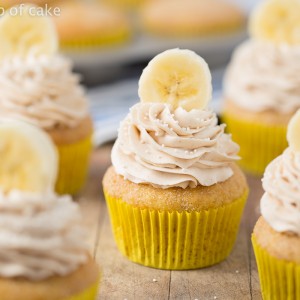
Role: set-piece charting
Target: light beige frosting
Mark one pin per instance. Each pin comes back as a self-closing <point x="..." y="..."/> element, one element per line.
<point x="40" y="236"/>
<point x="41" y="90"/>
<point x="166" y="148"/>
<point x="264" y="76"/>
<point x="280" y="205"/>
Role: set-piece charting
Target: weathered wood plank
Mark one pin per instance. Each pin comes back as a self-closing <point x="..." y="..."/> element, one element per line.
<point x="252" y="213"/>
<point x="227" y="280"/>
<point x="90" y="199"/>
<point x="123" y="279"/>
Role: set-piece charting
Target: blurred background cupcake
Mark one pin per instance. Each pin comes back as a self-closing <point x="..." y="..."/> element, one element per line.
<point x="276" y="236"/>
<point x="262" y="86"/>
<point x="38" y="87"/>
<point x="100" y="25"/>
<point x="176" y="18"/>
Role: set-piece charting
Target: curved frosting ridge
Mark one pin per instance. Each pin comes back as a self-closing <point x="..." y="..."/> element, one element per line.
<point x="41" y="90"/>
<point x="40" y="236"/>
<point x="263" y="76"/>
<point x="280" y="205"/>
<point x="167" y="148"/>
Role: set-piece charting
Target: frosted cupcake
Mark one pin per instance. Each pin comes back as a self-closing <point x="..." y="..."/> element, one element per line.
<point x="276" y="236"/>
<point x="262" y="86"/>
<point x="42" y="250"/>
<point x="174" y="193"/>
<point x="38" y="86"/>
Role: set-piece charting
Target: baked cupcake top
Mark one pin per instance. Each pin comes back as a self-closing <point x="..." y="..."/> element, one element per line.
<point x="263" y="73"/>
<point x="40" y="232"/>
<point x="37" y="84"/>
<point x="280" y="205"/>
<point x="173" y="140"/>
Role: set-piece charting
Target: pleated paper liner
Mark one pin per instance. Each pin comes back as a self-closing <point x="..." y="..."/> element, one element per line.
<point x="88" y="294"/>
<point x="99" y="41"/>
<point x="279" y="279"/>
<point x="173" y="240"/>
<point x="73" y="166"/>
<point x="259" y="143"/>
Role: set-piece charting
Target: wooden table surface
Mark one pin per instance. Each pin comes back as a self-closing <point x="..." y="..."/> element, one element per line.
<point x="234" y="279"/>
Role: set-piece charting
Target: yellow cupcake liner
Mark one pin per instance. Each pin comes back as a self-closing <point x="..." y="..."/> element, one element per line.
<point x="279" y="279"/>
<point x="173" y="240"/>
<point x="218" y="31"/>
<point x="73" y="166"/>
<point x="95" y="41"/>
<point x="259" y="143"/>
<point x="88" y="294"/>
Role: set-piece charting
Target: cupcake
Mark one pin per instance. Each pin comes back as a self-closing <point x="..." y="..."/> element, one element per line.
<point x="38" y="86"/>
<point x="42" y="250"/>
<point x="276" y="236"/>
<point x="262" y="84"/>
<point x="176" y="18"/>
<point x="174" y="193"/>
<point x="100" y="25"/>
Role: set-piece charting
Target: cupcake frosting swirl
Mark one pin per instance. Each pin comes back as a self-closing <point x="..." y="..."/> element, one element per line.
<point x="264" y="76"/>
<point x="40" y="236"/>
<point x="41" y="90"/>
<point x="280" y="205"/>
<point x="166" y="148"/>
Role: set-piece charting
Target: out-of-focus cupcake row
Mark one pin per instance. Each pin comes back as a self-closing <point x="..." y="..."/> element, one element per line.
<point x="97" y="24"/>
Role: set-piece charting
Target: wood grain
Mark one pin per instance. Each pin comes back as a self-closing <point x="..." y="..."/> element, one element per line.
<point x="234" y="278"/>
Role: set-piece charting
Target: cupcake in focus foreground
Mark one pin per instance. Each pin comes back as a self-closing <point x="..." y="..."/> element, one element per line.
<point x="262" y="86"/>
<point x="38" y="86"/>
<point x="42" y="250"/>
<point x="174" y="193"/>
<point x="276" y="236"/>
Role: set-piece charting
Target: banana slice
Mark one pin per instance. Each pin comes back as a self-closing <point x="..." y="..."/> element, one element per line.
<point x="28" y="158"/>
<point x="293" y="133"/>
<point x="26" y="32"/>
<point x="177" y="77"/>
<point x="277" y="21"/>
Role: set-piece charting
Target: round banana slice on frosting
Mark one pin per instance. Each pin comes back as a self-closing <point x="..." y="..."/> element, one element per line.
<point x="25" y="32"/>
<point x="177" y="77"/>
<point x="28" y="158"/>
<point x="293" y="133"/>
<point x="277" y="21"/>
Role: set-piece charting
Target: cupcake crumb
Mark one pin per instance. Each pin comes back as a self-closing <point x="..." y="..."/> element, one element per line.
<point x="154" y="280"/>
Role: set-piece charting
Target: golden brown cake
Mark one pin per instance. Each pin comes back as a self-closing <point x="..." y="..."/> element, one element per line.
<point x="175" y="198"/>
<point x="54" y="288"/>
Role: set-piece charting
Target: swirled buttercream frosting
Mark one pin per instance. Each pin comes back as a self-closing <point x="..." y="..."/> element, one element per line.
<point x="280" y="205"/>
<point x="41" y="90"/>
<point x="173" y="148"/>
<point x="264" y="76"/>
<point x="40" y="236"/>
